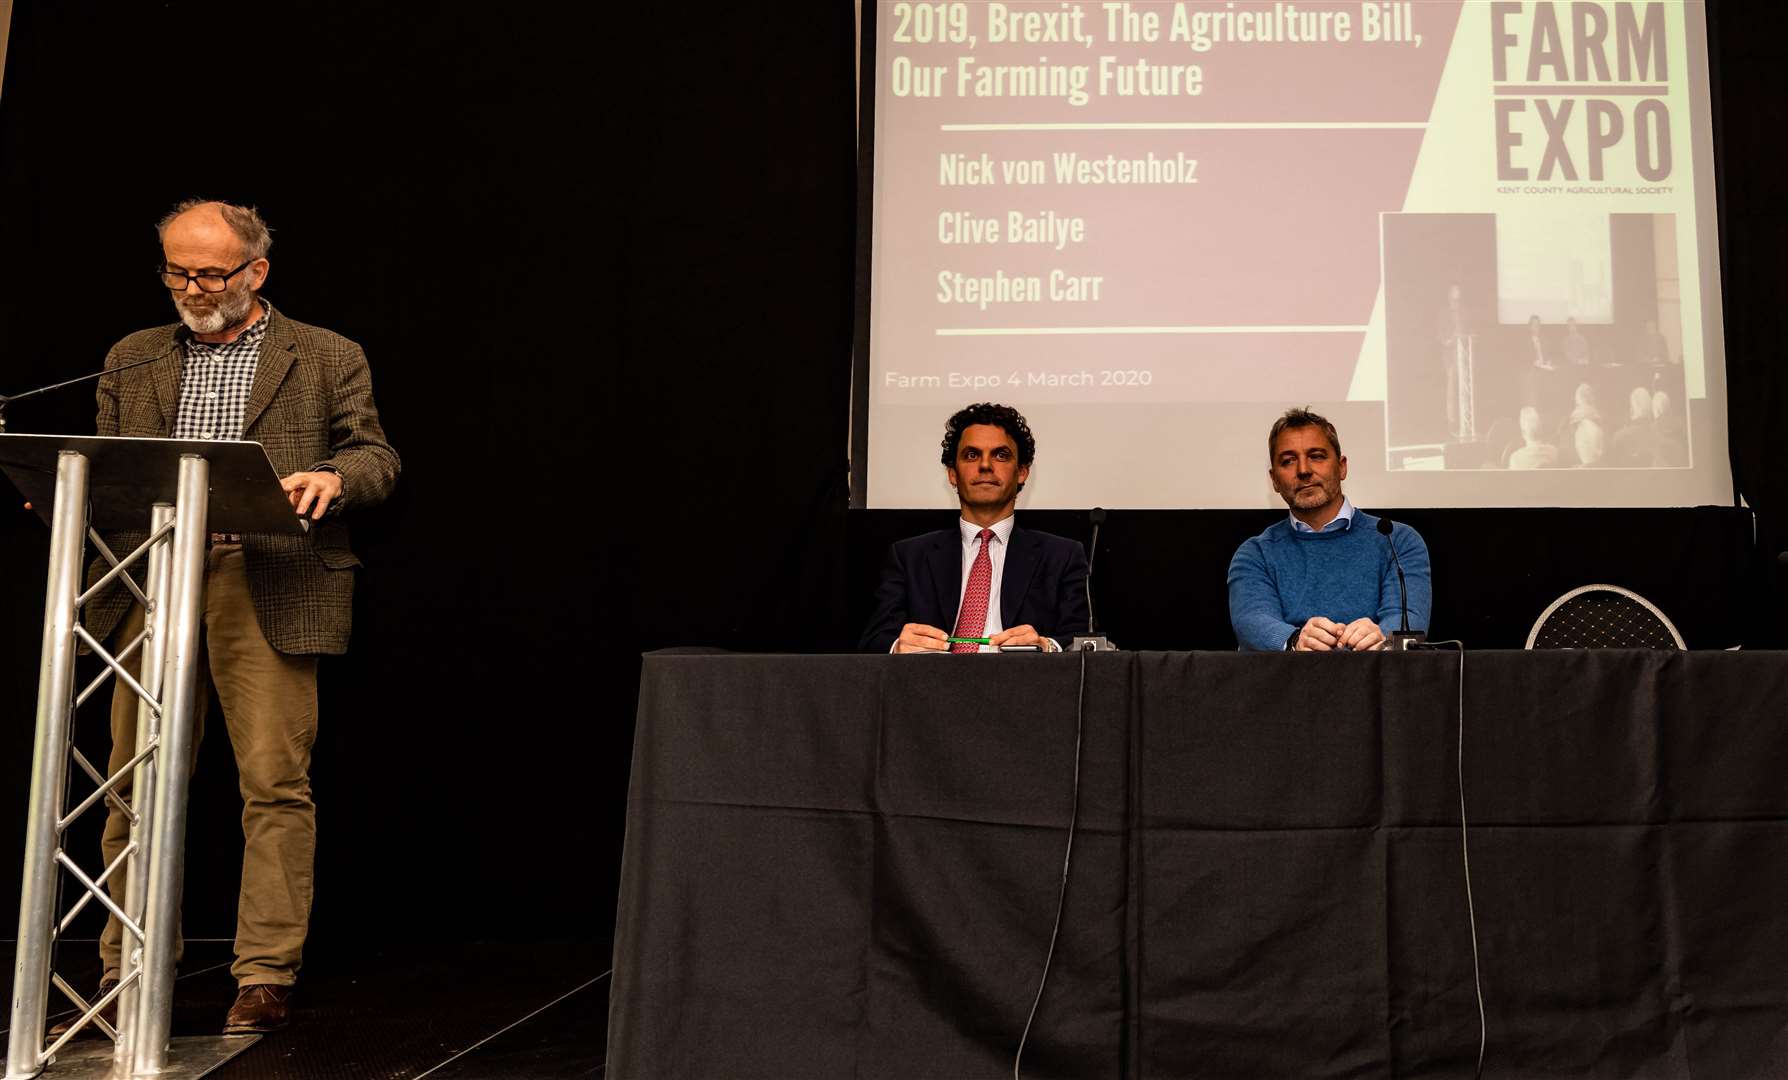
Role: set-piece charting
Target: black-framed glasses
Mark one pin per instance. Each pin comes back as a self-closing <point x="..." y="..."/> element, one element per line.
<point x="176" y="281"/>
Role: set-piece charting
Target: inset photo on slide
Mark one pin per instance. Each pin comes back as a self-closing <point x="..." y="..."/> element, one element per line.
<point x="1533" y="341"/>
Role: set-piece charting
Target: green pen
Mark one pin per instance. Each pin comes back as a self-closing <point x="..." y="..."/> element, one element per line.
<point x="971" y="641"/>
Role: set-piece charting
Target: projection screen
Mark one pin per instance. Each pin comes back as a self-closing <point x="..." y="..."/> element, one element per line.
<point x="1479" y="236"/>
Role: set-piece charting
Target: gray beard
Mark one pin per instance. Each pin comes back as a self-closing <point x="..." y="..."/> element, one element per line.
<point x="232" y="307"/>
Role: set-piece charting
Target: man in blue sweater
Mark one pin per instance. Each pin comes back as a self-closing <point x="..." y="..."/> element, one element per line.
<point x="1322" y="579"/>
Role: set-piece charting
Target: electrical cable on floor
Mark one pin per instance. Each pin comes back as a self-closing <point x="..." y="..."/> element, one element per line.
<point x="1067" y="861"/>
<point x="515" y="1024"/>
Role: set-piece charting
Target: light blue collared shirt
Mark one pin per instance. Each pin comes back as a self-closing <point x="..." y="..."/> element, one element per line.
<point x="1342" y="520"/>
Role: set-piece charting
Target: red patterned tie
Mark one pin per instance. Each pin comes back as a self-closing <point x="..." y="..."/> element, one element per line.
<point x="973" y="618"/>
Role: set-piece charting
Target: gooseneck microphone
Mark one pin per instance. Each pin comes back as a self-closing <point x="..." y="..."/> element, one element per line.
<point x="1097" y="516"/>
<point x="1384" y="530"/>
<point x="1092" y="640"/>
<point x="1404" y="637"/>
<point x="8" y="399"/>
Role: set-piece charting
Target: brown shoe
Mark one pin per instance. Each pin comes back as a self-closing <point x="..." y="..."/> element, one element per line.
<point x="260" y="1007"/>
<point x="92" y="1031"/>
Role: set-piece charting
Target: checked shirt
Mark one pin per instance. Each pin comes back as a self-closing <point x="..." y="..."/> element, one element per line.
<point x="215" y="381"/>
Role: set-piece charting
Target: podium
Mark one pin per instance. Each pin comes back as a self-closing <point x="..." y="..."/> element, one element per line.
<point x="182" y="490"/>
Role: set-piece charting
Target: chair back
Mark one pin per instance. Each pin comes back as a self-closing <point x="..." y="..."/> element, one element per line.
<point x="1603" y="617"/>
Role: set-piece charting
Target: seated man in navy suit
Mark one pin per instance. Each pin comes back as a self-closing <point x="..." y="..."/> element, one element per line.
<point x="985" y="578"/>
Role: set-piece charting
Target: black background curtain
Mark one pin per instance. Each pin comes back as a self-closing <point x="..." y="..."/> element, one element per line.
<point x="603" y="264"/>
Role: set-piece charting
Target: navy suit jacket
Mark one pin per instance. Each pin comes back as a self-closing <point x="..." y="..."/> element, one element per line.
<point x="1043" y="584"/>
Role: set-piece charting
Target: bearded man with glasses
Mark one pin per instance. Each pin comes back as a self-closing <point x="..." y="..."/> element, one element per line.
<point x="235" y="368"/>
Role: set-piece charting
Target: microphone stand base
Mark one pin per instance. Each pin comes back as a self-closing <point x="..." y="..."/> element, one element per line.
<point x="1091" y="643"/>
<point x="1404" y="640"/>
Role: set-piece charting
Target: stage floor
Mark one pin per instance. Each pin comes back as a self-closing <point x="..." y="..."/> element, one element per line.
<point x="478" y="1011"/>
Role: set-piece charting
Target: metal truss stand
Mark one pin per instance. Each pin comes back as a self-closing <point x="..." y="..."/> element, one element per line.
<point x="1465" y="387"/>
<point x="85" y="485"/>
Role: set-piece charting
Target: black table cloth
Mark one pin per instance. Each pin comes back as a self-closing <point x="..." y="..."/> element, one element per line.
<point x="848" y="866"/>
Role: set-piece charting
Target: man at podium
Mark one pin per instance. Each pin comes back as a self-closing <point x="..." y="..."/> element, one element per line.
<point x="986" y="583"/>
<point x="233" y="367"/>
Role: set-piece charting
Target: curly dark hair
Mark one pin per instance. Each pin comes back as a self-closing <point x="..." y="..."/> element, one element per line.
<point x="1299" y="418"/>
<point x="1001" y="416"/>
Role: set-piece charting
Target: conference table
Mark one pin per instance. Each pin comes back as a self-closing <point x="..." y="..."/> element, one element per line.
<point x="850" y="866"/>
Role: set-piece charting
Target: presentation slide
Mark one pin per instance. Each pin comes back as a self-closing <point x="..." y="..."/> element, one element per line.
<point x="1479" y="236"/>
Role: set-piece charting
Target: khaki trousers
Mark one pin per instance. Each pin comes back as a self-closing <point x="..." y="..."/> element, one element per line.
<point x="269" y="704"/>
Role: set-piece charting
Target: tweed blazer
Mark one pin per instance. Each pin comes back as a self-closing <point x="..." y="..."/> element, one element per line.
<point x="311" y="405"/>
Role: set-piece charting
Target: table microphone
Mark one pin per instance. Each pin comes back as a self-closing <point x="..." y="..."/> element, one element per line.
<point x="1092" y="640"/>
<point x="1400" y="639"/>
<point x="1097" y="516"/>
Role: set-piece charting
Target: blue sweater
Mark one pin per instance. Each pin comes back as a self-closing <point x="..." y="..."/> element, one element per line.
<point x="1282" y="578"/>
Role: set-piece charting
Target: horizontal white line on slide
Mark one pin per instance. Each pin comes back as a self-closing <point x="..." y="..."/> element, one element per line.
<point x="1214" y="125"/>
<point x="1012" y="331"/>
